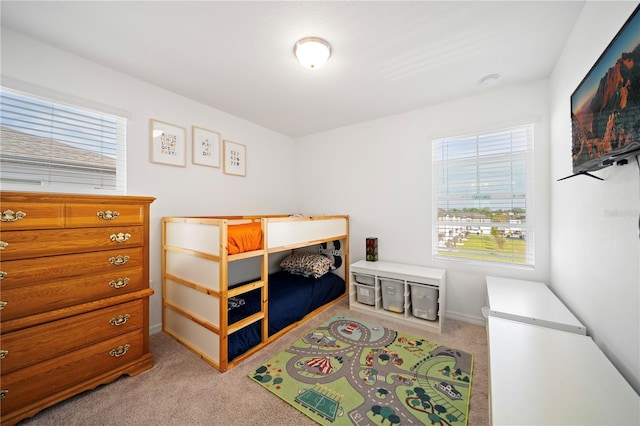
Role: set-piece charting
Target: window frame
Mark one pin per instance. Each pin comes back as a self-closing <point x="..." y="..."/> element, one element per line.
<point x="527" y="229"/>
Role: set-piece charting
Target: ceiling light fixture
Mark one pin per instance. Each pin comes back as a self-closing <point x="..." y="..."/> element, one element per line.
<point x="312" y="52"/>
<point x="490" y="80"/>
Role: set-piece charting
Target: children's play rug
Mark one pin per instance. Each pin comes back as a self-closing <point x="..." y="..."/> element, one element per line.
<point x="349" y="371"/>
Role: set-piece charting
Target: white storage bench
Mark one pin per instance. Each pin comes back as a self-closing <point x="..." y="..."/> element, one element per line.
<point x="544" y="376"/>
<point x="530" y="302"/>
<point x="543" y="369"/>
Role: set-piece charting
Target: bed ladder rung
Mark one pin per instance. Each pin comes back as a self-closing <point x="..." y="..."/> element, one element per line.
<point x="245" y="322"/>
<point x="245" y="255"/>
<point x="245" y="288"/>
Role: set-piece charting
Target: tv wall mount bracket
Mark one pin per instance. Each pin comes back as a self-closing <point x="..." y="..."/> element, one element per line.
<point x="581" y="174"/>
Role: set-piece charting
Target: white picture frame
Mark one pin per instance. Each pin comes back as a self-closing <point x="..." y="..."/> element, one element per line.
<point x="168" y="144"/>
<point x="235" y="158"/>
<point x="205" y="147"/>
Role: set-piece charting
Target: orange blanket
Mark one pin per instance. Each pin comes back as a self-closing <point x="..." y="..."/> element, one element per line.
<point x="244" y="237"/>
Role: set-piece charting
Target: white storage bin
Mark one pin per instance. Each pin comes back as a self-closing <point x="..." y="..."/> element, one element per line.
<point x="392" y="294"/>
<point x="366" y="294"/>
<point x="365" y="279"/>
<point x="424" y="301"/>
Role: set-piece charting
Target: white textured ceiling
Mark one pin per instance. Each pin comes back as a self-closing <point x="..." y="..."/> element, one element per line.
<point x="387" y="57"/>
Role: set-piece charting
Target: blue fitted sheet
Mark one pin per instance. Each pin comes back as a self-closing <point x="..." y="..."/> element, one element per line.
<point x="291" y="297"/>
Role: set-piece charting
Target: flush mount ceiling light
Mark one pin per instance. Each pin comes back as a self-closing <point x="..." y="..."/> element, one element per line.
<point x="312" y="52"/>
<point x="490" y="80"/>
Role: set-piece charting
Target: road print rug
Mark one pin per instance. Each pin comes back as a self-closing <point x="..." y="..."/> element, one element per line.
<point x="348" y="371"/>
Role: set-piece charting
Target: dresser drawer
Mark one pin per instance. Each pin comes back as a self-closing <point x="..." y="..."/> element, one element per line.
<point x="28" y="272"/>
<point x="28" y="244"/>
<point x="31" y="384"/>
<point x="34" y="299"/>
<point x="26" y="215"/>
<point x="88" y="215"/>
<point x="32" y="345"/>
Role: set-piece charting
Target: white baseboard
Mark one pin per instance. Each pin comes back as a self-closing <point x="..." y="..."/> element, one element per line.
<point x="472" y="319"/>
<point x="155" y="329"/>
<point x="477" y="320"/>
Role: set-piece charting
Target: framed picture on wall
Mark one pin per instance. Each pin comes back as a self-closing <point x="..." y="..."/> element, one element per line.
<point x="206" y="147"/>
<point x="235" y="158"/>
<point x="168" y="144"/>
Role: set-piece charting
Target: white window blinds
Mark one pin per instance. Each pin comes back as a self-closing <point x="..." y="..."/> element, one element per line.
<point x="54" y="147"/>
<point x="483" y="197"/>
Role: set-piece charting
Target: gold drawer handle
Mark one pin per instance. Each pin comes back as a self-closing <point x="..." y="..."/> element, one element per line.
<point x="119" y="351"/>
<point x="120" y="237"/>
<point x="118" y="260"/>
<point x="119" y="283"/>
<point x="11" y="216"/>
<point x="3" y="393"/>
<point x="3" y="353"/>
<point x="3" y="245"/>
<point x="120" y="320"/>
<point x="108" y="215"/>
<point x="2" y="304"/>
<point x="3" y="275"/>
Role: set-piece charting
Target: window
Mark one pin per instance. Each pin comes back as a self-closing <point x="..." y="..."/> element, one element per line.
<point x="53" y="147"/>
<point x="483" y="197"/>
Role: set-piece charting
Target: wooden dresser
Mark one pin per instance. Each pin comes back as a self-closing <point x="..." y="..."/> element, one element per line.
<point x="74" y="296"/>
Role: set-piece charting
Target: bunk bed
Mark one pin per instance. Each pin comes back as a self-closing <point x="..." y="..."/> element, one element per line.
<point x="233" y="284"/>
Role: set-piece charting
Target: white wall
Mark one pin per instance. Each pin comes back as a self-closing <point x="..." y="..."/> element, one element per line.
<point x="595" y="250"/>
<point x="194" y="190"/>
<point x="379" y="172"/>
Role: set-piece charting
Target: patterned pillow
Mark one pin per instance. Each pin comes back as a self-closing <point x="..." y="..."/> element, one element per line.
<point x="307" y="264"/>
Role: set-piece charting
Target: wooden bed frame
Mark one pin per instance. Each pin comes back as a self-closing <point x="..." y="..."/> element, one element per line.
<point x="198" y="273"/>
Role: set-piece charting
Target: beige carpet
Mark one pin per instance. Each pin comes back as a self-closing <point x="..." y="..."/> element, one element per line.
<point x="181" y="389"/>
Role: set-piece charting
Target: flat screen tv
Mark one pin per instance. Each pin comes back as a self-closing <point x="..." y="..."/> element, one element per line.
<point x="605" y="108"/>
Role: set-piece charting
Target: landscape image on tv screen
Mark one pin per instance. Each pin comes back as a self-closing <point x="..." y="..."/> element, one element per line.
<point x="605" y="108"/>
